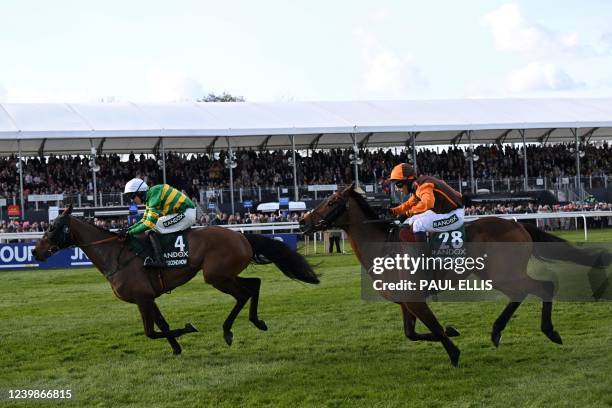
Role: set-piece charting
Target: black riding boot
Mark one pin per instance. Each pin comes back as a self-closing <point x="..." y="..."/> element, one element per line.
<point x="157" y="260"/>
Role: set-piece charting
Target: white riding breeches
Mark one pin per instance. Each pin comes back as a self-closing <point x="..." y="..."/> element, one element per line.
<point x="429" y="221"/>
<point x="176" y="222"/>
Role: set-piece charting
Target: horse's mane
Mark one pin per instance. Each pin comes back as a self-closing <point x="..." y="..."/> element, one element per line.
<point x="369" y="212"/>
<point x="84" y="221"/>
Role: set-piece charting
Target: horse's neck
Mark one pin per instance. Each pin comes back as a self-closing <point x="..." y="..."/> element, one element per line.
<point x="103" y="256"/>
<point x="360" y="232"/>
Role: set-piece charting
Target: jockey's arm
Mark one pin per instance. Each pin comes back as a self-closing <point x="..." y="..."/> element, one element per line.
<point x="426" y="201"/>
<point x="147" y="222"/>
<point x="405" y="207"/>
<point x="151" y="214"/>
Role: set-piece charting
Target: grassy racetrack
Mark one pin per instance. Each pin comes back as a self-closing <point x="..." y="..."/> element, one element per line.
<point x="325" y="347"/>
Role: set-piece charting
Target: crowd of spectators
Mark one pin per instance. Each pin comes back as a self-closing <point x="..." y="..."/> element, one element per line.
<point x="222" y="218"/>
<point x="195" y="172"/>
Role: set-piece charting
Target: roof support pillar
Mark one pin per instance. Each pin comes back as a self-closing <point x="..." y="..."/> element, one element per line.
<point x="264" y="144"/>
<point x="457" y="139"/>
<point x="101" y="145"/>
<point x="41" y="149"/>
<point x="577" y="183"/>
<point x="413" y="136"/>
<point x="356" y="153"/>
<point x="230" y="163"/>
<point x="502" y="138"/>
<point x="544" y="138"/>
<point x="364" y="142"/>
<point x="471" y="160"/>
<point x="155" y="148"/>
<point x="313" y="145"/>
<point x="211" y="146"/>
<point x="93" y="172"/>
<point x="525" y="181"/>
<point x="296" y="195"/>
<point x="163" y="155"/>
<point x="586" y="138"/>
<point x="21" y="181"/>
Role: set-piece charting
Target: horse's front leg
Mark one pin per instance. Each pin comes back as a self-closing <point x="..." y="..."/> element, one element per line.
<point x="422" y="311"/>
<point x="410" y="323"/>
<point x="150" y="315"/>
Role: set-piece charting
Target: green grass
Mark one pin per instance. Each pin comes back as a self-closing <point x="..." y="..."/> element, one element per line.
<point x="325" y="347"/>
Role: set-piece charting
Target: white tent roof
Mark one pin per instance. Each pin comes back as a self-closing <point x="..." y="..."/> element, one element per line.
<point x="192" y="127"/>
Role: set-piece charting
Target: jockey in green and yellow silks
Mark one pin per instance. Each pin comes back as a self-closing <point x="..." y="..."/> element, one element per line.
<point x="167" y="210"/>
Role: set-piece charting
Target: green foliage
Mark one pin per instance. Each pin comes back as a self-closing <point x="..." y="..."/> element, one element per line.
<point x="224" y="97"/>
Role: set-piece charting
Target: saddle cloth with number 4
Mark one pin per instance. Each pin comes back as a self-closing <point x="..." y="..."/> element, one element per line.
<point x="175" y="247"/>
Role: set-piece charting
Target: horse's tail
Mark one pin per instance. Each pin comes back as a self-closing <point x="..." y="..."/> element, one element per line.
<point x="564" y="250"/>
<point x="289" y="262"/>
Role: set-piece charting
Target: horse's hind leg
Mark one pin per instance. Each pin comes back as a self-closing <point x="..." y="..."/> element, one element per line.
<point x="547" y="324"/>
<point x="148" y="311"/>
<point x="422" y="311"/>
<point x="545" y="291"/>
<point x="500" y="323"/>
<point x="231" y="287"/>
<point x="253" y="285"/>
<point x="411" y="334"/>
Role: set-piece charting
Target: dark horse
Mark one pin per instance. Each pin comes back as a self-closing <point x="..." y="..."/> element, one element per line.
<point x="221" y="253"/>
<point x="350" y="211"/>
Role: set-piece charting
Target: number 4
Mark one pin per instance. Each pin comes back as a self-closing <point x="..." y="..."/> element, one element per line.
<point x="179" y="243"/>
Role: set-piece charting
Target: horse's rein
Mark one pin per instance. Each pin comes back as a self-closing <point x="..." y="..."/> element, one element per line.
<point x="102" y="241"/>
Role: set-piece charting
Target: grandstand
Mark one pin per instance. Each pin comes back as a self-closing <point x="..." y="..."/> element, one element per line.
<point x="227" y="154"/>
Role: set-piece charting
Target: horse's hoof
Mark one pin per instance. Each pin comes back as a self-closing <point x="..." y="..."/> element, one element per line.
<point x="191" y="328"/>
<point x="260" y="324"/>
<point x="454" y="357"/>
<point x="177" y="351"/>
<point x="229" y="337"/>
<point x="451" y="331"/>
<point x="495" y="338"/>
<point x="554" y="337"/>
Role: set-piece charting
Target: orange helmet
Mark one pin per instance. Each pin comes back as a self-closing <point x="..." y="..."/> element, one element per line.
<point x="403" y="171"/>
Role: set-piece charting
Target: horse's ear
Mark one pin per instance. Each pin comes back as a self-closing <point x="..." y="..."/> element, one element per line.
<point x="359" y="190"/>
<point x="68" y="210"/>
<point x="349" y="188"/>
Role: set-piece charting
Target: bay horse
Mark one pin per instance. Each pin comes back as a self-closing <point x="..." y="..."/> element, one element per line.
<point x="221" y="253"/>
<point x="349" y="211"/>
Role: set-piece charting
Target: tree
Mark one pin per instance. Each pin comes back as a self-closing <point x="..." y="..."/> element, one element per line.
<point x="224" y="97"/>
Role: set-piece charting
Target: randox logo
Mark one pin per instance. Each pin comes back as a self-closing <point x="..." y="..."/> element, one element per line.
<point x="173" y="220"/>
<point x="446" y="222"/>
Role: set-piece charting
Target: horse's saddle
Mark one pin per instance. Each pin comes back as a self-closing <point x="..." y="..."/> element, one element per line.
<point x="175" y="247"/>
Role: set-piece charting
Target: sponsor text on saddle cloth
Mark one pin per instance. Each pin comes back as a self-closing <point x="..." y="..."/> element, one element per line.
<point x="174" y="246"/>
<point x="448" y="244"/>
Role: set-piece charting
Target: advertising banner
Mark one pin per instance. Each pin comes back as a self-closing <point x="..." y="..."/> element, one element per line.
<point x="16" y="256"/>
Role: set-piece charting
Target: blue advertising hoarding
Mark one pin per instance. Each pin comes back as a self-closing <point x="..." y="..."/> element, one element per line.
<point x="17" y="256"/>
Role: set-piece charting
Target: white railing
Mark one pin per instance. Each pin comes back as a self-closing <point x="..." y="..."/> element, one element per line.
<point x="549" y="216"/>
<point x="271" y="228"/>
<point x="294" y="226"/>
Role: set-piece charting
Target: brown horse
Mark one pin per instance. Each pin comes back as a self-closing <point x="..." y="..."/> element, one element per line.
<point x="349" y="211"/>
<point x="221" y="253"/>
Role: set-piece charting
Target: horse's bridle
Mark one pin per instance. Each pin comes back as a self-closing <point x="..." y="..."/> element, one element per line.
<point x="66" y="240"/>
<point x="325" y="221"/>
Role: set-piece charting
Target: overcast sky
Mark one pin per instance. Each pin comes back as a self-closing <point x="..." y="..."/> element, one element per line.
<point x="161" y="51"/>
